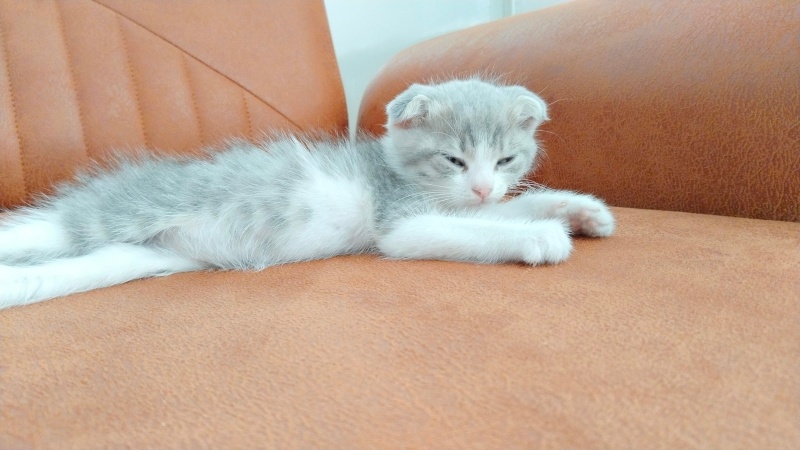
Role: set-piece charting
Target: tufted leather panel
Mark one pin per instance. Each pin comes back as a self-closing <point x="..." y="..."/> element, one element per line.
<point x="686" y="105"/>
<point x="80" y="78"/>
<point x="666" y="335"/>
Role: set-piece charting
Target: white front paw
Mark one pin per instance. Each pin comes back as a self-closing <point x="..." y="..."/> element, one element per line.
<point x="549" y="243"/>
<point x="586" y="215"/>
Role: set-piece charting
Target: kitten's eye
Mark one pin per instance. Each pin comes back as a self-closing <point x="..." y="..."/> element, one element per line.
<point x="505" y="161"/>
<point x="456" y="161"/>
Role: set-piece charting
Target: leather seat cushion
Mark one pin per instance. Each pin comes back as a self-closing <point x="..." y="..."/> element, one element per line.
<point x="681" y="331"/>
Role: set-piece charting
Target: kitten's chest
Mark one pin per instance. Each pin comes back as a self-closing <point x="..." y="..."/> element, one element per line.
<point x="333" y="212"/>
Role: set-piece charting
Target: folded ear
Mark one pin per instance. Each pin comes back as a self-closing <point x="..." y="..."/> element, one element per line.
<point x="529" y="110"/>
<point x="409" y="108"/>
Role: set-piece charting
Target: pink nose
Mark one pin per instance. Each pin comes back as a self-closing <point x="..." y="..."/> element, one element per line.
<point x="482" y="191"/>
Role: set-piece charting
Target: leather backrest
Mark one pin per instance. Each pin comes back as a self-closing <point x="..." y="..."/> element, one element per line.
<point x="686" y="105"/>
<point x="80" y="79"/>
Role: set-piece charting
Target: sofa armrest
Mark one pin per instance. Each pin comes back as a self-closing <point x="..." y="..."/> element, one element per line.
<point x="689" y="105"/>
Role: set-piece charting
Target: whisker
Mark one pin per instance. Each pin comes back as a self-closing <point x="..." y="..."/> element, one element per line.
<point x="559" y="100"/>
<point x="550" y="132"/>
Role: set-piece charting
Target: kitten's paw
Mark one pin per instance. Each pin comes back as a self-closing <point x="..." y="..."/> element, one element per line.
<point x="586" y="215"/>
<point x="549" y="243"/>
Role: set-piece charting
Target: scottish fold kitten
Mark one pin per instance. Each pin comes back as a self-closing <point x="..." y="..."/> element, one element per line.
<point x="430" y="189"/>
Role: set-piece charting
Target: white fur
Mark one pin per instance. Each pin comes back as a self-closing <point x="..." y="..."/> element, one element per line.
<point x="35" y="233"/>
<point x="585" y="214"/>
<point x="340" y="221"/>
<point x="107" y="266"/>
<point x="477" y="239"/>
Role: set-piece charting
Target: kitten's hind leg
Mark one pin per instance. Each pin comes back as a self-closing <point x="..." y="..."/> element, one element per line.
<point x="477" y="239"/>
<point x="32" y="236"/>
<point x="106" y="266"/>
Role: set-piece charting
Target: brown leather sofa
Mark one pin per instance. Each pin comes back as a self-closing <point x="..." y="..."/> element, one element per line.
<point x="681" y="331"/>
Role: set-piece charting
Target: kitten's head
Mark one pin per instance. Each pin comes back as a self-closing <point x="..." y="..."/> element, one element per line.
<point x="464" y="141"/>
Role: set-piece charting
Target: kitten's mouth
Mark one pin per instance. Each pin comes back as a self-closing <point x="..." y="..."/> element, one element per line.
<point x="478" y="202"/>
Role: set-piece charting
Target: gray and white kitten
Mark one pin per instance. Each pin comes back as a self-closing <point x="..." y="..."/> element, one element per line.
<point x="430" y="189"/>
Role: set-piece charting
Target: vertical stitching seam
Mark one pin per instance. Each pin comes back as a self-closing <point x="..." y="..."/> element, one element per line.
<point x="185" y="66"/>
<point x="133" y="81"/>
<point x="14" y="112"/>
<point x="247" y="115"/>
<point x="73" y="82"/>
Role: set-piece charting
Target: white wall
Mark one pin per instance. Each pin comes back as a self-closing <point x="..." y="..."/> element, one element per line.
<point x="366" y="33"/>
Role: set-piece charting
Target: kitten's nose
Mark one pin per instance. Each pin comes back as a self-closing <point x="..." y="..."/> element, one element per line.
<point x="482" y="191"/>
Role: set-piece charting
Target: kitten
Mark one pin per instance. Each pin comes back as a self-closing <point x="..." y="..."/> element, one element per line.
<point x="430" y="189"/>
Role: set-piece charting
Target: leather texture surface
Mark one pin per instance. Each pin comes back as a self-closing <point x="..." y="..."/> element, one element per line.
<point x="682" y="331"/>
<point x="80" y="79"/>
<point x="684" y="105"/>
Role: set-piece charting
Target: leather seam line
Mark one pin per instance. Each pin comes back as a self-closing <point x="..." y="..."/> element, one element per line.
<point x="196" y="110"/>
<point x="247" y="116"/>
<point x="119" y="14"/>
<point x="133" y="82"/>
<point x="14" y="112"/>
<point x="72" y="81"/>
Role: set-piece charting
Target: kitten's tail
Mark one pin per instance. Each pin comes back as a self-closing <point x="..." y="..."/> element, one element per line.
<point x="106" y="266"/>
